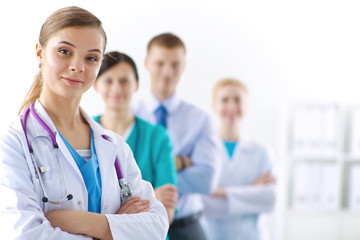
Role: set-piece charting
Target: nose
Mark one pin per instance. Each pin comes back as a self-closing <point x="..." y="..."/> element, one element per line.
<point x="77" y="65"/>
<point x="116" y="87"/>
<point x="168" y="70"/>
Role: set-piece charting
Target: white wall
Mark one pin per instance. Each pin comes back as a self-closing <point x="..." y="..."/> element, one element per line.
<point x="283" y="50"/>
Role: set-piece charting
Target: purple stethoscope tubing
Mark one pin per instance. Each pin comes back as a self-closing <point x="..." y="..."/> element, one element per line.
<point x="53" y="138"/>
<point x="56" y="146"/>
<point x="117" y="164"/>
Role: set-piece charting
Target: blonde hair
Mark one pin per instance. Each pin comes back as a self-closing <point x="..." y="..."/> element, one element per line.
<point x="228" y="81"/>
<point x="60" y="19"/>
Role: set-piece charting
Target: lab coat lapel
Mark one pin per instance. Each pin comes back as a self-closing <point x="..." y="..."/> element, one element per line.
<point x="106" y="153"/>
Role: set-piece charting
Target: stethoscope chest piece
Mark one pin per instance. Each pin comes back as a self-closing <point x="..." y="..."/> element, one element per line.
<point x="125" y="190"/>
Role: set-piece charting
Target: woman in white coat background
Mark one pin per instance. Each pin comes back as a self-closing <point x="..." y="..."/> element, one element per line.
<point x="246" y="187"/>
<point x="73" y="191"/>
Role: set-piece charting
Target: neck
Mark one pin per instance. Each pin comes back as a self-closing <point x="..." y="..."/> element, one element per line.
<point x="161" y="96"/>
<point x="117" y="120"/>
<point x="230" y="132"/>
<point x="65" y="113"/>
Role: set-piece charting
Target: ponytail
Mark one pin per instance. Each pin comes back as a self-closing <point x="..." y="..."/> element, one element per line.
<point x="33" y="93"/>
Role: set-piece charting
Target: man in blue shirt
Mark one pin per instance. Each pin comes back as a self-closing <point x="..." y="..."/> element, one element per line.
<point x="190" y="130"/>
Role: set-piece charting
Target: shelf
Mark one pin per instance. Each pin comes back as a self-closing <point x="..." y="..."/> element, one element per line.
<point x="323" y="187"/>
<point x="312" y="213"/>
<point x="351" y="158"/>
<point x="332" y="159"/>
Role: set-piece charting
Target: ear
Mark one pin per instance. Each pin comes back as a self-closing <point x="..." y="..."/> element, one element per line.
<point x="95" y="85"/>
<point x="39" y="53"/>
<point x="137" y="86"/>
<point x="184" y="66"/>
<point x="146" y="63"/>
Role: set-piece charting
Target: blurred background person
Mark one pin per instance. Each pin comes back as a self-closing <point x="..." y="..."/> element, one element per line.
<point x="190" y="131"/>
<point x="246" y="187"/>
<point x="116" y="82"/>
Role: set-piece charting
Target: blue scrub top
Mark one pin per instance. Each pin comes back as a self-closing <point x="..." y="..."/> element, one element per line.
<point x="91" y="174"/>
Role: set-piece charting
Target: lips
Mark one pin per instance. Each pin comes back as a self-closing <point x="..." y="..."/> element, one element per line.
<point x="72" y="81"/>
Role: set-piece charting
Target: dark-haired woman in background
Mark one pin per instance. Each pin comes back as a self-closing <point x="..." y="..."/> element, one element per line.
<point x="117" y="81"/>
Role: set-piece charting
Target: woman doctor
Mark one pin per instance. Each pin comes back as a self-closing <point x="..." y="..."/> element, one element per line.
<point x="58" y="178"/>
<point x="116" y="82"/>
<point x="246" y="187"/>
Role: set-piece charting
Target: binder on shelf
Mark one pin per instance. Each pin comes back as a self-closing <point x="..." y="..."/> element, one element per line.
<point x="354" y="188"/>
<point x="328" y="130"/>
<point x="355" y="132"/>
<point x="300" y="196"/>
<point x="315" y="130"/>
<point x="315" y="186"/>
<point x="329" y="197"/>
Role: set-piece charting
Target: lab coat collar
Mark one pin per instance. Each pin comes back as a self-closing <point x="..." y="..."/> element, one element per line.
<point x="242" y="147"/>
<point x="40" y="131"/>
<point x="108" y="148"/>
<point x="171" y="104"/>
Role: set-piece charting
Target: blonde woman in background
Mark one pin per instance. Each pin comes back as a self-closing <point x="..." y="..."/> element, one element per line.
<point x="246" y="187"/>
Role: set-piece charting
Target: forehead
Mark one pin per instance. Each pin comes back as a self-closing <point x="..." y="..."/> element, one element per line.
<point x="81" y="37"/>
<point x="121" y="68"/>
<point x="158" y="52"/>
<point x="231" y="90"/>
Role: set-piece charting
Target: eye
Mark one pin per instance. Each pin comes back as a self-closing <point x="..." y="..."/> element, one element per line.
<point x="108" y="81"/>
<point x="124" y="81"/>
<point x="92" y="59"/>
<point x="176" y="65"/>
<point x="159" y="64"/>
<point x="64" y="51"/>
<point x="224" y="100"/>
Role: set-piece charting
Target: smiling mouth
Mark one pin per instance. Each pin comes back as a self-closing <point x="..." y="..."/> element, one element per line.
<point x="72" y="81"/>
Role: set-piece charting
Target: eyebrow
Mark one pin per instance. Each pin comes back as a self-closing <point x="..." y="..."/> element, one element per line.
<point x="72" y="45"/>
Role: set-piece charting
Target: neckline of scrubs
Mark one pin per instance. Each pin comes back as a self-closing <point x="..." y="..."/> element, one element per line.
<point x="90" y="172"/>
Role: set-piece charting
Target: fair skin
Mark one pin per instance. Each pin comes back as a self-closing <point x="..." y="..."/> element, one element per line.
<point x="230" y="103"/>
<point x="116" y="86"/>
<point x="70" y="62"/>
<point x="165" y="66"/>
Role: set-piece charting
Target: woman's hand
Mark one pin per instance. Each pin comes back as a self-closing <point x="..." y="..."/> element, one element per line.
<point x="66" y="220"/>
<point x="264" y="179"/>
<point x="167" y="195"/>
<point x="219" y="192"/>
<point x="79" y="222"/>
<point x="134" y="205"/>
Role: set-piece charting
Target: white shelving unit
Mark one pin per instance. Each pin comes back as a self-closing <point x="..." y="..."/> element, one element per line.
<point x="323" y="184"/>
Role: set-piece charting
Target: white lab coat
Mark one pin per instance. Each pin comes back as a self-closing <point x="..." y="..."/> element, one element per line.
<point x="236" y="217"/>
<point x="21" y="208"/>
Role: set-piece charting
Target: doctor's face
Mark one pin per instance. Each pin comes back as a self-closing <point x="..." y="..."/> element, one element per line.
<point x="70" y="61"/>
<point x="165" y="66"/>
<point x="117" y="86"/>
<point x="230" y="103"/>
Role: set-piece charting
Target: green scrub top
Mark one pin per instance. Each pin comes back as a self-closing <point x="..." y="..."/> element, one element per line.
<point x="152" y="151"/>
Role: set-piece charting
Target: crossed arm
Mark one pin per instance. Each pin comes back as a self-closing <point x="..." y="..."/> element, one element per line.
<point x="93" y="224"/>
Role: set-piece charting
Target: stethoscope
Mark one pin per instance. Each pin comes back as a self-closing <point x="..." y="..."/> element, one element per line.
<point x="125" y="189"/>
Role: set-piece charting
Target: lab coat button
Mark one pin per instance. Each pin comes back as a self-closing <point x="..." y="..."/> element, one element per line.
<point x="105" y="206"/>
<point x="79" y="202"/>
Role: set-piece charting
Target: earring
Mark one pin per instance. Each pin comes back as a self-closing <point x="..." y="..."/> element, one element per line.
<point x="40" y="65"/>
